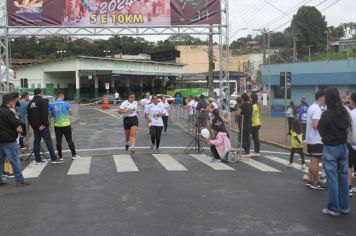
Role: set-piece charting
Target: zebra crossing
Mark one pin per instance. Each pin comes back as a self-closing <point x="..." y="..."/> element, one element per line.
<point x="127" y="163"/>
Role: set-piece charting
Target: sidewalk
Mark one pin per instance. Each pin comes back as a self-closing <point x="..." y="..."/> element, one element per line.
<point x="274" y="130"/>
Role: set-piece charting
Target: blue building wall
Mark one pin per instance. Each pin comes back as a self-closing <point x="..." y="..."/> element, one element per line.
<point x="307" y="78"/>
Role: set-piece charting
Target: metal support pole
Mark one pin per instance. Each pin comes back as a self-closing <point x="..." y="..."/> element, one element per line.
<point x="6" y="49"/>
<point x="211" y="62"/>
<point x="269" y="75"/>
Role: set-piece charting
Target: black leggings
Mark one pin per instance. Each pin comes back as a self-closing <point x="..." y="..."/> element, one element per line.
<point x="256" y="139"/>
<point x="298" y="150"/>
<point x="67" y="132"/>
<point x="215" y="152"/>
<point x="156" y="132"/>
<point x="165" y="122"/>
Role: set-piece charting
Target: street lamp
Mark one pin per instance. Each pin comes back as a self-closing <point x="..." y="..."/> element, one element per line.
<point x="106" y="52"/>
<point x="61" y="52"/>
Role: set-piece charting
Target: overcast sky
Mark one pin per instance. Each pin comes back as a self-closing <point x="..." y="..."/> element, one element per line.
<point x="273" y="14"/>
<point x="277" y="14"/>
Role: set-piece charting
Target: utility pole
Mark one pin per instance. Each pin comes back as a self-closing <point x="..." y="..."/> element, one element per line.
<point x="309" y="50"/>
<point x="327" y="45"/>
<point x="295" y="39"/>
<point x="211" y="62"/>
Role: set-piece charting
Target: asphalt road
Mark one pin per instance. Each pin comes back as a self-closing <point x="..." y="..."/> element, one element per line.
<point x="108" y="192"/>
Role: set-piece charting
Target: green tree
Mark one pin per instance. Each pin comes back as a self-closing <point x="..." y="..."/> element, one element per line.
<point x="309" y="26"/>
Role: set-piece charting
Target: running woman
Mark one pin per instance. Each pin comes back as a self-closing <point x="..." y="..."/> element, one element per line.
<point x="154" y="113"/>
<point x="144" y="103"/>
<point x="165" y="117"/>
<point x="129" y="109"/>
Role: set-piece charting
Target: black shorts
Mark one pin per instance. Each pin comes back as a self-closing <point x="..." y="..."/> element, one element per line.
<point x="352" y="158"/>
<point x="130" y="121"/>
<point x="315" y="150"/>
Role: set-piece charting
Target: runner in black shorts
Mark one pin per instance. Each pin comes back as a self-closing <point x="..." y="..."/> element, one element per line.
<point x="129" y="109"/>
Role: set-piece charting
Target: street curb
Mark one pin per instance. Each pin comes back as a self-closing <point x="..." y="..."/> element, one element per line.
<point x="268" y="142"/>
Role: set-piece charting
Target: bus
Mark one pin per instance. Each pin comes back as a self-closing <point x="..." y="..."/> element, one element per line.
<point x="197" y="87"/>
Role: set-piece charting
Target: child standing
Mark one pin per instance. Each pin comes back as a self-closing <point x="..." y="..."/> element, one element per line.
<point x="297" y="143"/>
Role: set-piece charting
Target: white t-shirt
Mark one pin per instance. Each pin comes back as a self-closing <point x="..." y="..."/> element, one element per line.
<point x="154" y="113"/>
<point x="166" y="107"/>
<point x="128" y="105"/>
<point x="353" y="118"/>
<point x="312" y="135"/>
<point x="191" y="107"/>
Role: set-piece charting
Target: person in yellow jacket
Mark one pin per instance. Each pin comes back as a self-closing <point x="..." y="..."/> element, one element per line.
<point x="256" y="124"/>
<point x="297" y="143"/>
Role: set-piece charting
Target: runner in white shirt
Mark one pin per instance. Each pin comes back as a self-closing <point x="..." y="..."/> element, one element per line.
<point x="165" y="117"/>
<point x="191" y="112"/>
<point x="144" y="103"/>
<point x="352" y="150"/>
<point x="129" y="109"/>
<point x="154" y="113"/>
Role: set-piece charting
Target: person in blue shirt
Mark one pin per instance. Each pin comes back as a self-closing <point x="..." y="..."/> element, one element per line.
<point x="302" y="115"/>
<point x="61" y="110"/>
<point x="22" y="111"/>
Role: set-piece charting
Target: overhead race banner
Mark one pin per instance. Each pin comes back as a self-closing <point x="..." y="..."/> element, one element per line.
<point x="112" y="13"/>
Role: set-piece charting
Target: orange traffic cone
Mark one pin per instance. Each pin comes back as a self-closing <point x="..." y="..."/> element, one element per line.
<point x="106" y="104"/>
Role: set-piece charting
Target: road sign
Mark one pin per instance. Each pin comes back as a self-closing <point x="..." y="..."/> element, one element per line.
<point x="107" y="86"/>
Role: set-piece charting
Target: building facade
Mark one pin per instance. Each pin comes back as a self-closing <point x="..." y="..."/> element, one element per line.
<point x="87" y="77"/>
<point x="307" y="78"/>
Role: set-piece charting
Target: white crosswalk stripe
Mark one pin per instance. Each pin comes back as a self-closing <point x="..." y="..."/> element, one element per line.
<point x="33" y="170"/>
<point x="207" y="161"/>
<point x="80" y="166"/>
<point x="168" y="162"/>
<point x="124" y="163"/>
<point x="259" y="165"/>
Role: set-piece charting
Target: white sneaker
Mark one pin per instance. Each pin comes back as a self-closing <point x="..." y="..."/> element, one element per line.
<point x="255" y="154"/>
<point x="246" y="155"/>
<point x="75" y="157"/>
<point x="132" y="150"/>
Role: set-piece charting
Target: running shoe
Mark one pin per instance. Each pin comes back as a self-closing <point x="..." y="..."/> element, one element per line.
<point x="157" y="149"/>
<point x="255" y="154"/>
<point x="57" y="161"/>
<point x="60" y="159"/>
<point x="23" y="183"/>
<point x="132" y="150"/>
<point x="246" y="155"/>
<point x="315" y="186"/>
<point x="40" y="162"/>
<point x="331" y="213"/>
<point x="75" y="157"/>
<point x="152" y="146"/>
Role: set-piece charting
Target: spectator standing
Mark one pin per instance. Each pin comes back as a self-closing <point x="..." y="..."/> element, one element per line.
<point x="9" y="131"/>
<point x="256" y="124"/>
<point x="202" y="113"/>
<point x="333" y="126"/>
<point x="297" y="143"/>
<point x="191" y="113"/>
<point x="22" y="110"/>
<point x="352" y="149"/>
<point x="290" y="114"/>
<point x="37" y="113"/>
<point x="62" y="125"/>
<point x="313" y="140"/>
<point x="246" y="115"/>
<point x="302" y="115"/>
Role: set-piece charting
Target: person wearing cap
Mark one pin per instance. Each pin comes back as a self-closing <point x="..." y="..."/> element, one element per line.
<point x="37" y="114"/>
